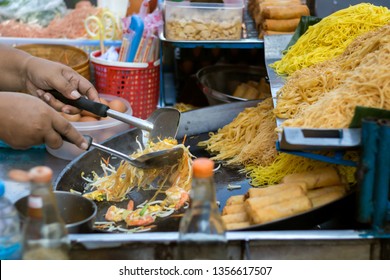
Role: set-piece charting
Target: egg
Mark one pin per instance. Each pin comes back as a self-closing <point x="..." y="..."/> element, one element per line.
<point x="103" y="101"/>
<point x="88" y="119"/>
<point x="85" y="113"/>
<point x="71" y="118"/>
<point x="117" y="105"/>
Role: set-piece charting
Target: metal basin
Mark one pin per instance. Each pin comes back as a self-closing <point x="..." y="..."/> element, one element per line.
<point x="78" y="212"/>
<point x="218" y="82"/>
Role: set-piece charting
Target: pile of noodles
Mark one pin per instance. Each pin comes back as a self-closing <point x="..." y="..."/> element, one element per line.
<point x="284" y="164"/>
<point x="362" y="79"/>
<point x="249" y="138"/>
<point x="329" y="38"/>
<point x="306" y="86"/>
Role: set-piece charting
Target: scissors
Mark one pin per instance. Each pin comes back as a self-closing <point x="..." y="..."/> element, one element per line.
<point x="101" y="28"/>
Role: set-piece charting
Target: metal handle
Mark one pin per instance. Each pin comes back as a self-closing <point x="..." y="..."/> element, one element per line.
<point x="83" y="104"/>
<point x="107" y="149"/>
<point x="103" y="110"/>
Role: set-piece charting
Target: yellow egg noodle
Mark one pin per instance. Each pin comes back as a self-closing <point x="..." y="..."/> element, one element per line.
<point x="329" y="38"/>
<point x="368" y="84"/>
<point x="250" y="137"/>
<point x="304" y="87"/>
<point x="284" y="164"/>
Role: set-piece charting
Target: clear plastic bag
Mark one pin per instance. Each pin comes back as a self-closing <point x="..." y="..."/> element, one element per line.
<point x="40" y="12"/>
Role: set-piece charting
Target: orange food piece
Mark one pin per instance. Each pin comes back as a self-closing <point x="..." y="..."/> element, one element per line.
<point x="18" y="175"/>
<point x="117" y="105"/>
<point x="88" y="119"/>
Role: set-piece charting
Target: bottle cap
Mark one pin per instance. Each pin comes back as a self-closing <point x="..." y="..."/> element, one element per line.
<point x="203" y="167"/>
<point x="41" y="174"/>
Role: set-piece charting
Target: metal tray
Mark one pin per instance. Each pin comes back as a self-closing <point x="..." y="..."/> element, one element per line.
<point x="196" y="125"/>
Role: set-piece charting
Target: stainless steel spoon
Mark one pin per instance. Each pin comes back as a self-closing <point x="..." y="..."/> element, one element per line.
<point x="156" y="159"/>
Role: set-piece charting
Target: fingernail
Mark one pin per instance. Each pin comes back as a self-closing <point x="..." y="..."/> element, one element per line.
<point x="66" y="110"/>
<point x="46" y="97"/>
<point x="84" y="146"/>
<point x="40" y="92"/>
<point x="75" y="94"/>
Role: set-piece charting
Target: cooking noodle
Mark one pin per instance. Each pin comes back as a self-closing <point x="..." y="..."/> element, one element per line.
<point x="116" y="184"/>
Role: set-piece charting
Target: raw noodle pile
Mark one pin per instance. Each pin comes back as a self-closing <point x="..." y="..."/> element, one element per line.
<point x="250" y="137"/>
<point x="362" y="79"/>
<point x="329" y="38"/>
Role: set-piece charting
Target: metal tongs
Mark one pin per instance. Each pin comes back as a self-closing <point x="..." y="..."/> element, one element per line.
<point x="163" y="123"/>
<point x="150" y="160"/>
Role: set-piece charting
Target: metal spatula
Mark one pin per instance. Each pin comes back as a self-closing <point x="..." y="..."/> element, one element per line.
<point x="163" y="123"/>
<point x="156" y="159"/>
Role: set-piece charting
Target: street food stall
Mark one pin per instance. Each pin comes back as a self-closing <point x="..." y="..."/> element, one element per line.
<point x="354" y="224"/>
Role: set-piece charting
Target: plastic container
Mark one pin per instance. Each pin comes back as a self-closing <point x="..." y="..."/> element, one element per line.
<point x="186" y="21"/>
<point x="138" y="83"/>
<point x="10" y="232"/>
<point x="99" y="130"/>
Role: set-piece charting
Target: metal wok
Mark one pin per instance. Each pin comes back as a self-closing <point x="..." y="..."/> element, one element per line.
<point x="195" y="125"/>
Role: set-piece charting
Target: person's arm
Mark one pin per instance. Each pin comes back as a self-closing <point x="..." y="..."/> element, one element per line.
<point x="26" y="121"/>
<point x="20" y="71"/>
<point x="12" y="65"/>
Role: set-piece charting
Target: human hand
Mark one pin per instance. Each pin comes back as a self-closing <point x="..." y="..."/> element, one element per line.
<point x="43" y="75"/>
<point x="26" y="121"/>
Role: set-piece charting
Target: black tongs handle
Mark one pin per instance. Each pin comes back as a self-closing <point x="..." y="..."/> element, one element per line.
<point x="83" y="104"/>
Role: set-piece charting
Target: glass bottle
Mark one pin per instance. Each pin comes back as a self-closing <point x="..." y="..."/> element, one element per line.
<point x="10" y="232"/>
<point x="45" y="235"/>
<point x="201" y="230"/>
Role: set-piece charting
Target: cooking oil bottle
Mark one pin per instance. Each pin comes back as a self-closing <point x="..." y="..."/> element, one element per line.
<point x="45" y="235"/>
<point x="201" y="230"/>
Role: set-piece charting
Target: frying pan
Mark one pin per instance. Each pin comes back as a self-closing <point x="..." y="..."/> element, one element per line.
<point x="195" y="125"/>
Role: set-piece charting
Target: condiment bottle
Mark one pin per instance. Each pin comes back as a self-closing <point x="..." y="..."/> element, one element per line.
<point x="45" y="235"/>
<point x="201" y="230"/>
<point x="10" y="232"/>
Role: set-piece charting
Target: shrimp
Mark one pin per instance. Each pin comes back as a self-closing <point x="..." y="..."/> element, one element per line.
<point x="114" y="214"/>
<point x="176" y="196"/>
<point x="135" y="219"/>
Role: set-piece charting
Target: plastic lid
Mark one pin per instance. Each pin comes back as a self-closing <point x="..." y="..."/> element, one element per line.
<point x="203" y="167"/>
<point x="40" y="174"/>
<point x="2" y="188"/>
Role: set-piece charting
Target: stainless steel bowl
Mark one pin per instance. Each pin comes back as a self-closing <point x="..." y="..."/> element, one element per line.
<point x="219" y="81"/>
<point x="77" y="211"/>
